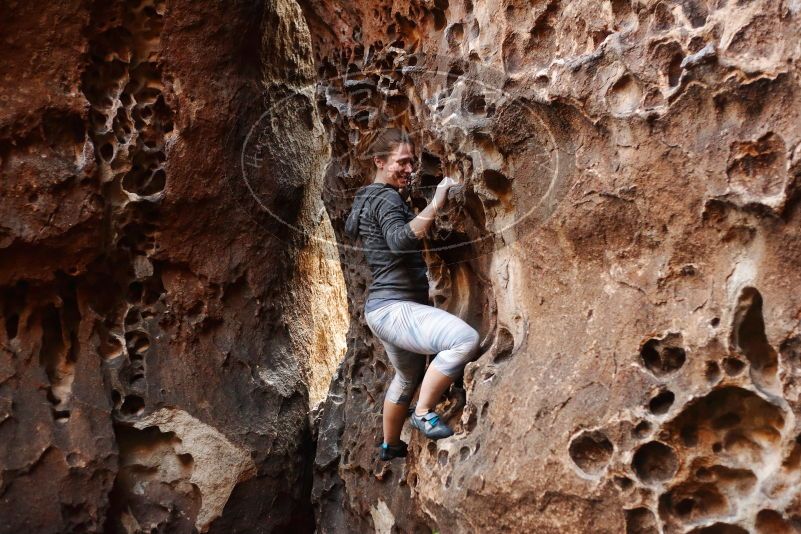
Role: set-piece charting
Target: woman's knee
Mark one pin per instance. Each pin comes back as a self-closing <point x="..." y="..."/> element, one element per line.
<point x="452" y="362"/>
<point x="467" y="346"/>
<point x="401" y="390"/>
<point x="473" y="339"/>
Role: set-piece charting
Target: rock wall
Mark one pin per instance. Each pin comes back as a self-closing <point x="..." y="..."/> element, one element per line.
<point x="175" y="176"/>
<point x="150" y="376"/>
<point x="627" y="242"/>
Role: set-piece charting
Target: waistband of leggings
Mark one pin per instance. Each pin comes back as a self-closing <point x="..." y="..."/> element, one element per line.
<point x="385" y="306"/>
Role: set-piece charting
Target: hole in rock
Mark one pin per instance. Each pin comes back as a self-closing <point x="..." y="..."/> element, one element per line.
<point x="707" y="496"/>
<point x="12" y="325"/>
<point x="430" y="169"/>
<point x="472" y="419"/>
<point x="733" y="366"/>
<point x="132" y="317"/>
<point x="689" y="435"/>
<point x="58" y="351"/>
<point x="625" y="95"/>
<point x="642" y="429"/>
<point x="439" y="19"/>
<point x="591" y="451"/>
<point x="662" y="402"/>
<point x="455" y="34"/>
<point x="134" y="292"/>
<point x="137" y="342"/>
<point x="624" y="483"/>
<point x="61" y="416"/>
<point x="719" y="528"/>
<point x="504" y="345"/>
<point x="655" y="462"/>
<point x="497" y="183"/>
<point x="475" y="103"/>
<point x="453" y="75"/>
<point x="12" y="302"/>
<point x="772" y="522"/>
<point x="684" y="507"/>
<point x="712" y="371"/>
<point x="641" y="521"/>
<point x="133" y="405"/>
<point x="704" y="474"/>
<point x="111" y="347"/>
<point x="156" y="184"/>
<point x="730" y="426"/>
<point x="153" y="292"/>
<point x="748" y="335"/>
<point x="663" y="357"/>
<point x="674" y="70"/>
<point x="599" y="37"/>
<point x="107" y="151"/>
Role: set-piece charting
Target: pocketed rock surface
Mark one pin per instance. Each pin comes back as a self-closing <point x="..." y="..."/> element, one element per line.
<point x="626" y="239"/>
<point x="149" y="381"/>
<point x="627" y="242"/>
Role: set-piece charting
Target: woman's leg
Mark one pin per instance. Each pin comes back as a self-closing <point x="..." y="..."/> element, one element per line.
<point x="422" y="329"/>
<point x="434" y="385"/>
<point x="393" y="417"/>
<point x="409" y="368"/>
<point x="462" y="342"/>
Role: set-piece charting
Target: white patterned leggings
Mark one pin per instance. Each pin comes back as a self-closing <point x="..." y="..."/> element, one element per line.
<point x="409" y="330"/>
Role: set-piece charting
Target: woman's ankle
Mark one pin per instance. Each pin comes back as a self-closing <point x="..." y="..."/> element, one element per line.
<point x="421" y="410"/>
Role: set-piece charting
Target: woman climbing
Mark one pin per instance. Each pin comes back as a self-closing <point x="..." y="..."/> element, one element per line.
<point x="397" y="308"/>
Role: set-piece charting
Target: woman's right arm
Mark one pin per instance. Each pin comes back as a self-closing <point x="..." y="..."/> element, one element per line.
<point x="390" y="214"/>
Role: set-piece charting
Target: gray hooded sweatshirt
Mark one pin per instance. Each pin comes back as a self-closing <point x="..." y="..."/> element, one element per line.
<point x="381" y="218"/>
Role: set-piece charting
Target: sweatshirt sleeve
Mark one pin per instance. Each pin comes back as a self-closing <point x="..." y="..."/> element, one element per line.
<point x="391" y="218"/>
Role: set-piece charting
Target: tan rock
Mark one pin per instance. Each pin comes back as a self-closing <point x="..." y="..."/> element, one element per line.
<point x="218" y="464"/>
<point x="627" y="244"/>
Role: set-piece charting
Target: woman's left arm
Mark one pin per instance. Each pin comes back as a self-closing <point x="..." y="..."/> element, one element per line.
<point x="425" y="218"/>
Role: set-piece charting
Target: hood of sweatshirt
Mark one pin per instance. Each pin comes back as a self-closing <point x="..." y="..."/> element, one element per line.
<point x="362" y="195"/>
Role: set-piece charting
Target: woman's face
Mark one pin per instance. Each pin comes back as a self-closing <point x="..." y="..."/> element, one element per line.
<point x="398" y="167"/>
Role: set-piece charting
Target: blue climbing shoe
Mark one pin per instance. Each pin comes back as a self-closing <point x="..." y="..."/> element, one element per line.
<point x="431" y="425"/>
<point x="388" y="452"/>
